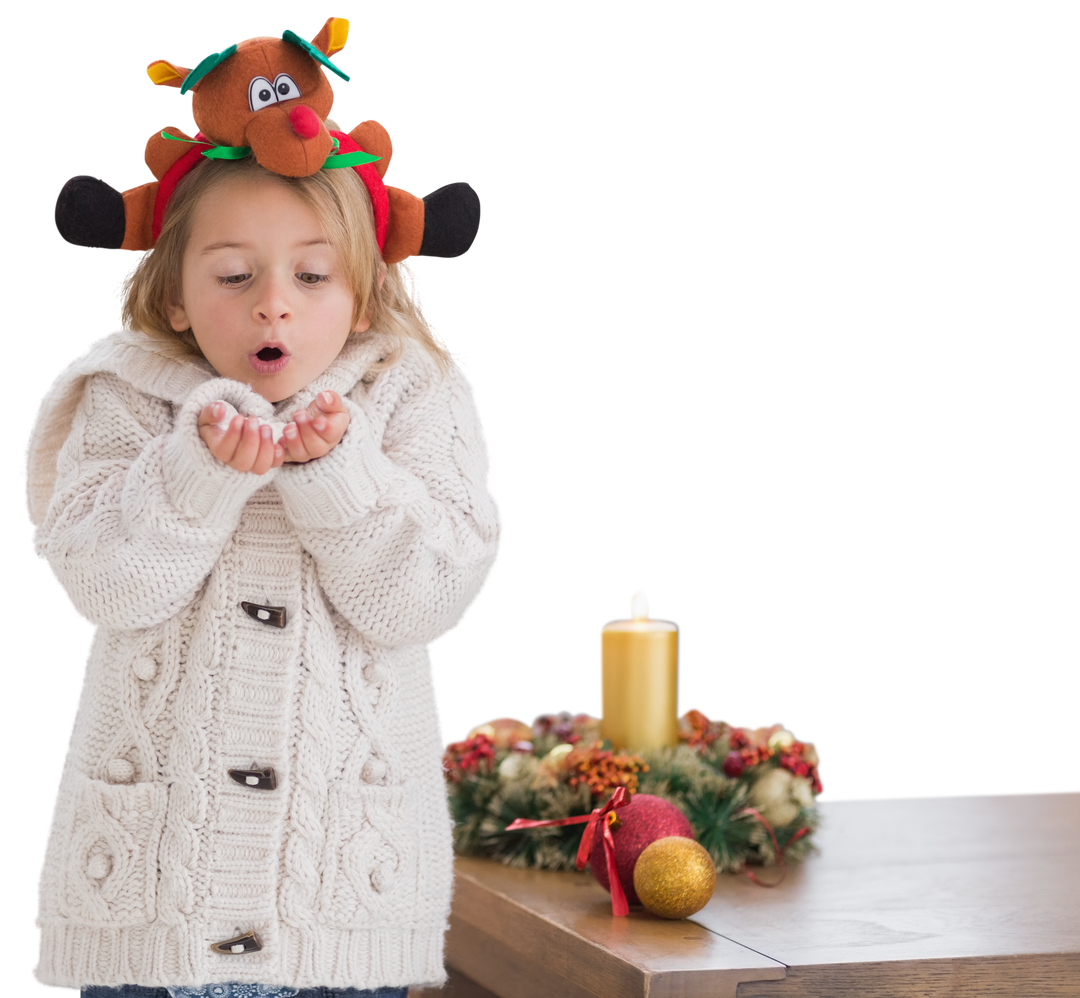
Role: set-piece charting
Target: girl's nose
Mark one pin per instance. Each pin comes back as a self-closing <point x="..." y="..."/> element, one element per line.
<point x="271" y="314"/>
<point x="272" y="305"/>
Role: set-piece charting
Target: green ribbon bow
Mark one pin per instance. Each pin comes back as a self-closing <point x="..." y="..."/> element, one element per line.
<point x="335" y="161"/>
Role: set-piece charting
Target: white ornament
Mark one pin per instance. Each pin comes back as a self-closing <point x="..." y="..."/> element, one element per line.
<point x="771" y="795"/>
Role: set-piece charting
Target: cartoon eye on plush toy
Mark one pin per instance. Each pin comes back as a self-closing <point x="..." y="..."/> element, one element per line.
<point x="268" y="98"/>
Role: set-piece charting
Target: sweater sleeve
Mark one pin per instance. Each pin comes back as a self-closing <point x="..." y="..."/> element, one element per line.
<point x="141" y="509"/>
<point x="399" y="522"/>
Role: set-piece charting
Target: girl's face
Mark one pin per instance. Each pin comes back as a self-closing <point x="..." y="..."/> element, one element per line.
<point x="261" y="288"/>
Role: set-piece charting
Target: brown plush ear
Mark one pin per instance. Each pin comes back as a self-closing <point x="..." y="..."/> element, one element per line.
<point x="332" y="37"/>
<point x="165" y="74"/>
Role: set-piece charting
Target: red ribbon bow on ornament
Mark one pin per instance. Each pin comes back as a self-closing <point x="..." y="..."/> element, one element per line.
<point x="599" y="817"/>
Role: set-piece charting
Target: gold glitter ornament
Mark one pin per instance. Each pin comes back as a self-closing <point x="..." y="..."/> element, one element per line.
<point x="674" y="877"/>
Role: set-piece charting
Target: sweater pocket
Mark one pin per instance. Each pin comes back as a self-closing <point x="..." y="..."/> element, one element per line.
<point x="371" y="870"/>
<point x="111" y="863"/>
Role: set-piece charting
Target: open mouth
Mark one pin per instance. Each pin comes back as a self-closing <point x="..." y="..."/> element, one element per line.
<point x="269" y="359"/>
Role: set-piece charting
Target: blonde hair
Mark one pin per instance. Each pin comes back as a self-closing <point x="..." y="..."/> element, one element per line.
<point x="339" y="201"/>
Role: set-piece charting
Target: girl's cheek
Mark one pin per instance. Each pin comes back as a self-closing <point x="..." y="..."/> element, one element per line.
<point x="220" y="316"/>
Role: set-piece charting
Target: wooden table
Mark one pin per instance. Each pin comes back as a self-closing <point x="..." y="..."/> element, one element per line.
<point x="963" y="897"/>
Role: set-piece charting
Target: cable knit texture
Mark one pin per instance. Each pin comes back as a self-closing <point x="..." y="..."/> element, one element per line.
<point x="344" y="869"/>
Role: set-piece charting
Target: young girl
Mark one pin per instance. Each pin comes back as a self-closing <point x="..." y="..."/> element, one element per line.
<point x="253" y="802"/>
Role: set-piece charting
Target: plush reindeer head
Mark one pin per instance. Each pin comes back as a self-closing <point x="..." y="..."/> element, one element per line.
<point x="269" y="94"/>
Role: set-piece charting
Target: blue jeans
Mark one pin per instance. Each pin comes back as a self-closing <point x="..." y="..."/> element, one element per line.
<point x="138" y="991"/>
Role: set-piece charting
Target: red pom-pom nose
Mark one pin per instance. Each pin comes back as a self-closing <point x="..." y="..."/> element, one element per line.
<point x="304" y="121"/>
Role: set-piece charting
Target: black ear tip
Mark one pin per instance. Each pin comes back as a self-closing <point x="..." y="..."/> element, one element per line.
<point x="90" y="213"/>
<point x="451" y="219"/>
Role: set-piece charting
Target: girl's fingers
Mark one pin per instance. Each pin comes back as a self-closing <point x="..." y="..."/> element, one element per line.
<point x="327" y="402"/>
<point x="316" y="429"/>
<point x="310" y="437"/>
<point x="223" y="443"/>
<point x="302" y="421"/>
<point x="248" y="447"/>
<point x="264" y="459"/>
<point x="306" y="442"/>
<point x="264" y="456"/>
<point x="291" y="439"/>
<point x="244" y="445"/>
<point x="212" y="414"/>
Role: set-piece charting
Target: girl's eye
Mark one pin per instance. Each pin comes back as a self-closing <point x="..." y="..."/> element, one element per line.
<point x="238" y="279"/>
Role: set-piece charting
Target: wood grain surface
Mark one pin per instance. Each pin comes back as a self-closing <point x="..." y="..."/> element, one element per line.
<point x="929" y="897"/>
<point x="950" y="898"/>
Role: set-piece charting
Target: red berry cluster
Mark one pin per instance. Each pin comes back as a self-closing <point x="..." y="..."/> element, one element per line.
<point x="792" y="759"/>
<point x="740" y="738"/>
<point x="470" y="756"/>
<point x="745" y="752"/>
<point x="736" y="762"/>
<point x="697" y="731"/>
<point x="751" y="748"/>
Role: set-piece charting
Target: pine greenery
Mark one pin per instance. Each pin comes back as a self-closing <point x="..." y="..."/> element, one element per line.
<point x="488" y="795"/>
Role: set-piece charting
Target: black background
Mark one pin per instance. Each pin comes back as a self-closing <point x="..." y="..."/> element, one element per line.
<point x="689" y="386"/>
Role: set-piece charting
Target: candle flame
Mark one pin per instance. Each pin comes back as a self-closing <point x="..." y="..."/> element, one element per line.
<point x="639" y="607"/>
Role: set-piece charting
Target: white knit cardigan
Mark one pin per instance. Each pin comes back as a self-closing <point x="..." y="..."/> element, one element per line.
<point x="344" y="870"/>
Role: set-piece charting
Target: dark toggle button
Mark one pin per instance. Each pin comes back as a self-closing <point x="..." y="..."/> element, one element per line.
<point x="260" y="779"/>
<point x="273" y="615"/>
<point x="247" y="943"/>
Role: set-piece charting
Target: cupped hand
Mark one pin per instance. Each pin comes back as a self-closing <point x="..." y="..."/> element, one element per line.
<point x="245" y="444"/>
<point x="316" y="430"/>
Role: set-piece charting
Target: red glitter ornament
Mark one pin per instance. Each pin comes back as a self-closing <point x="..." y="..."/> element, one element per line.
<point x="644" y="820"/>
